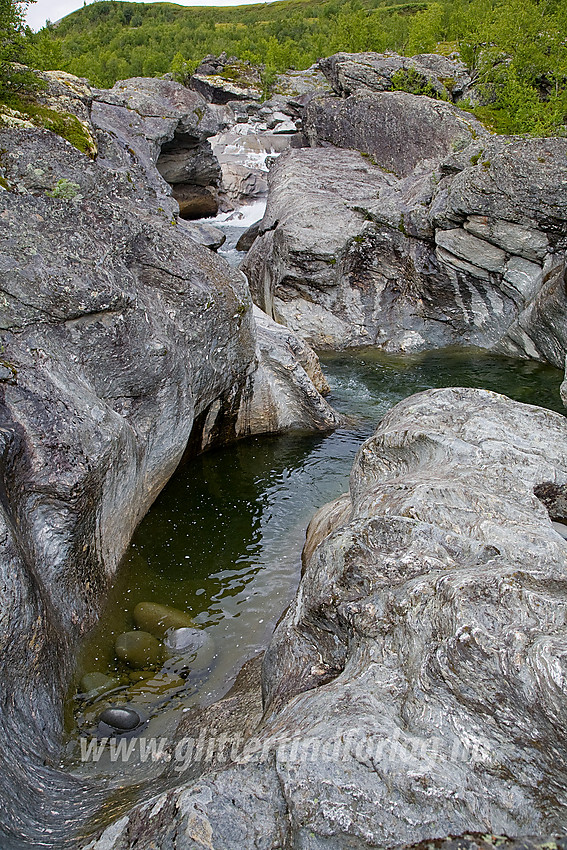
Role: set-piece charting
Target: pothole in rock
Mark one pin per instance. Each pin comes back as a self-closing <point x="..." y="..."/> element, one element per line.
<point x="163" y="657"/>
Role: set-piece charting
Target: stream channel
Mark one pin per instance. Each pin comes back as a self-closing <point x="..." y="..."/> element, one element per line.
<point x="223" y="540"/>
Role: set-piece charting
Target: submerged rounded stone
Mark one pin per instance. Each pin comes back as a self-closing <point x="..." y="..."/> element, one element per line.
<point x="121" y="719"/>
<point x="185" y="639"/>
<point x="96" y="681"/>
<point x="138" y="649"/>
<point x="159" y="619"/>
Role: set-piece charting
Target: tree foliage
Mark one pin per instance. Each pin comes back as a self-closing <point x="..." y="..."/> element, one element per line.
<point x="516" y="48"/>
<point x="14" y="43"/>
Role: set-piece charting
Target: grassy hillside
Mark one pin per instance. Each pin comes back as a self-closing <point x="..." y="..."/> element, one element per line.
<point x="518" y="47"/>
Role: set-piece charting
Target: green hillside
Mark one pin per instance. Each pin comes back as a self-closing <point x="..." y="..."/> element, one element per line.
<point x="517" y="47"/>
<point x="109" y="40"/>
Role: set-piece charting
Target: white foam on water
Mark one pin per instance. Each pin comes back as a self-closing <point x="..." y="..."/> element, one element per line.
<point x="243" y="216"/>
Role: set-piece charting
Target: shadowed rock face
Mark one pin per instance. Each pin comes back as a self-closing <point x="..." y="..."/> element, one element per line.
<point x="468" y="248"/>
<point x="421" y="667"/>
<point x="117" y="332"/>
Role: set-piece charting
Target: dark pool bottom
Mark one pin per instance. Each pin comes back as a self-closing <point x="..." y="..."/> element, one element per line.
<point x="223" y="541"/>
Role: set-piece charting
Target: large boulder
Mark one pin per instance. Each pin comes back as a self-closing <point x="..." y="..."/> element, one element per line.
<point x="468" y="248"/>
<point x="415" y="688"/>
<point x="397" y="129"/>
<point x="221" y="79"/>
<point x="439" y="76"/>
<point x="286" y="390"/>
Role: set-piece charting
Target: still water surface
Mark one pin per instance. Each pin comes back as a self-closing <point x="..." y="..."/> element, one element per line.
<point x="223" y="540"/>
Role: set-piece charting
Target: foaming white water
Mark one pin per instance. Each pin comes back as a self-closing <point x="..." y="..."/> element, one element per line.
<point x="243" y="217"/>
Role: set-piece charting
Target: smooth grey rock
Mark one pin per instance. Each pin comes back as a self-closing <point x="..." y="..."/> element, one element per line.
<point x="142" y="122"/>
<point x="159" y="619"/>
<point x="398" y="130"/>
<point x="204" y="234"/>
<point x="339" y="270"/>
<point x="311" y="215"/>
<point x="138" y="649"/>
<point x="402" y="629"/>
<point x="152" y="97"/>
<point x="286" y="389"/>
<point x="248" y="237"/>
<point x="121" y="718"/>
<point x="524" y="276"/>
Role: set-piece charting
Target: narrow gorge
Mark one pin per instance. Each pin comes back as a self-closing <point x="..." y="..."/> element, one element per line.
<point x="398" y="675"/>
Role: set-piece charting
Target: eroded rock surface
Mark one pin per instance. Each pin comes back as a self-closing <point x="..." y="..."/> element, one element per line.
<point x="398" y="130"/>
<point x="415" y="688"/>
<point x="121" y="338"/>
<point x="448" y="79"/>
<point x="467" y="248"/>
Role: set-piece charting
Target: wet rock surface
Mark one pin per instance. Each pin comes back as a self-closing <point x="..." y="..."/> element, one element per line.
<point x="414" y="667"/>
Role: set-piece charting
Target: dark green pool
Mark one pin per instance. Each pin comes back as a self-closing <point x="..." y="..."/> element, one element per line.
<point x="223" y="541"/>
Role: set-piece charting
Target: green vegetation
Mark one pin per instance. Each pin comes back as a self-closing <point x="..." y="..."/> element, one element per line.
<point x="14" y="45"/>
<point x="413" y="82"/>
<point x="516" y="48"/>
<point x="64" y="124"/>
<point x="65" y="190"/>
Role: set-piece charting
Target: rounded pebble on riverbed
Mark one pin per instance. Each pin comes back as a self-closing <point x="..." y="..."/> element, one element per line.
<point x="96" y="681"/>
<point x="121" y="719"/>
<point x="138" y="649"/>
<point x="158" y="619"/>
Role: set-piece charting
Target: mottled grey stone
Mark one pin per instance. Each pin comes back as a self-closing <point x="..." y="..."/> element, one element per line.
<point x="526" y="242"/>
<point x="350" y="72"/>
<point x="398" y="130"/>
